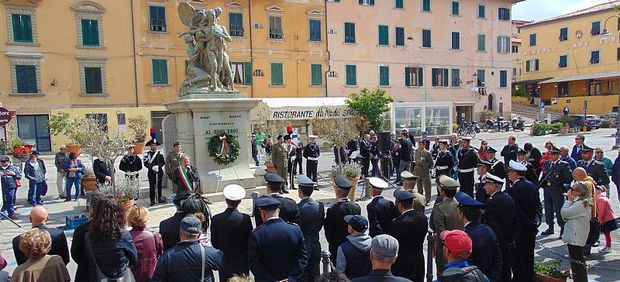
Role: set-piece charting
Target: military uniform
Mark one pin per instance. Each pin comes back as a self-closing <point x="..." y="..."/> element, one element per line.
<point x="481" y="194"/>
<point x="291" y="167"/>
<point x="424" y="163"/>
<point x="509" y="152"/>
<point x="556" y="180"/>
<point x="279" y="158"/>
<point x="595" y="169"/>
<point x="468" y="159"/>
<point x="131" y="166"/>
<point x="497" y="167"/>
<point x="381" y="211"/>
<point x="312" y="153"/>
<point x="289" y="211"/>
<point x="419" y="201"/>
<point x="336" y="230"/>
<point x="173" y="161"/>
<point x="154" y="162"/>
<point x="530" y="172"/>
<point x="445" y="217"/>
<point x="444" y="163"/>
<point x="311" y="217"/>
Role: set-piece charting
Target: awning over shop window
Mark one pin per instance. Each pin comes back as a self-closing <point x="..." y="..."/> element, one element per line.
<point x="583" y="77"/>
<point x="531" y="80"/>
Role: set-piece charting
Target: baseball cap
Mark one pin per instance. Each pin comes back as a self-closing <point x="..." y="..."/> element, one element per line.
<point x="457" y="242"/>
<point x="191" y="224"/>
<point x="358" y="222"/>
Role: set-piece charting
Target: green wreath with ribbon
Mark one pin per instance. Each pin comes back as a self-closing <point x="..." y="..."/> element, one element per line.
<point x="224" y="148"/>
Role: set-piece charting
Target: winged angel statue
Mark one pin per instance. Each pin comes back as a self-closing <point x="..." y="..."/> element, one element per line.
<point x="209" y="66"/>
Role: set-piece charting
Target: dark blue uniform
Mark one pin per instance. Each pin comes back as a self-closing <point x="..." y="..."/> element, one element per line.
<point x="526" y="197"/>
<point x="288" y="210"/>
<point x="498" y="169"/>
<point x="381" y="212"/>
<point x="276" y="251"/>
<point x="311" y="151"/>
<point x="555" y="182"/>
<point x="468" y="159"/>
<point x="311" y="217"/>
<point x="410" y="230"/>
<point x="596" y="170"/>
<point x="486" y="253"/>
<point x="336" y="231"/>
<point x="444" y="164"/>
<point x="501" y="216"/>
<point x="229" y="234"/>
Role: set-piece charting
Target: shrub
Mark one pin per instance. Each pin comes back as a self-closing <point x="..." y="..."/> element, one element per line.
<point x="606" y="124"/>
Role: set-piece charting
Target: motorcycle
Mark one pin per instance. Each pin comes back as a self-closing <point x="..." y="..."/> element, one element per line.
<point x="488" y="124"/>
<point x="475" y="126"/>
<point x="500" y="125"/>
<point x="518" y="124"/>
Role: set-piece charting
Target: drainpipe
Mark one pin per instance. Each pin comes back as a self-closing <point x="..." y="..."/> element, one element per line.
<point x="251" y="49"/>
<point x="135" y="55"/>
<point x="329" y="64"/>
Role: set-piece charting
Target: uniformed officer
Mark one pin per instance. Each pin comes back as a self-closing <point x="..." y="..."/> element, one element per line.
<point x="311" y="217"/>
<point x="276" y="251"/>
<point x="486" y="253"/>
<point x="279" y="158"/>
<point x="482" y="169"/>
<point x="501" y="216"/>
<point x="312" y="153"/>
<point x="154" y="162"/>
<point x="445" y="215"/>
<point x="230" y="231"/>
<point x="445" y="160"/>
<point x="530" y="173"/>
<point x="131" y="164"/>
<point x="336" y="230"/>
<point x="468" y="159"/>
<point x="424" y="163"/>
<point x="594" y="168"/>
<point x="526" y="197"/>
<point x="381" y="211"/>
<point x="173" y="161"/>
<point x="497" y="166"/>
<point x="288" y="210"/>
<point x="410" y="230"/>
<point x="409" y="181"/>
<point x="555" y="181"/>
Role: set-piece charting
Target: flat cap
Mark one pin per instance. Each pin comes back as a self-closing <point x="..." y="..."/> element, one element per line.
<point x="191" y="224"/>
<point x="234" y="192"/>
<point x="482" y="162"/>
<point x="267" y="203"/>
<point x="512" y="165"/>
<point x="403" y="195"/>
<point x="377" y="182"/>
<point x="152" y="141"/>
<point x="343" y="183"/>
<point x="305" y="181"/>
<point x="313" y="137"/>
<point x="385" y="246"/>
<point x="130" y="146"/>
<point x="273" y="178"/>
<point x="490" y="178"/>
<point x="449" y="183"/>
<point x="5" y="158"/>
<point x="466" y="200"/>
<point x="406" y="175"/>
<point x="587" y="148"/>
<point x="357" y="222"/>
<point x="491" y="150"/>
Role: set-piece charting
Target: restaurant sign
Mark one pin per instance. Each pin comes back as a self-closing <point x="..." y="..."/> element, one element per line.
<point x="5" y="116"/>
<point x="305" y="113"/>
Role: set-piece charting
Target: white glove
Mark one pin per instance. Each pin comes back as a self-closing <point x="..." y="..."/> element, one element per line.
<point x="155" y="168"/>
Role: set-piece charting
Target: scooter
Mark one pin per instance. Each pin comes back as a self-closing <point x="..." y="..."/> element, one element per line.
<point x="517" y="124"/>
<point x="475" y="126"/>
<point x="488" y="124"/>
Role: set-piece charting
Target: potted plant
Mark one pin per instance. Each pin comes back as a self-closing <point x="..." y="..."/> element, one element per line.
<point x="77" y="129"/>
<point x="565" y="120"/>
<point x="125" y="191"/>
<point x="139" y="126"/>
<point x="352" y="171"/>
<point x="20" y="150"/>
<point x="89" y="181"/>
<point x="550" y="271"/>
<point x="269" y="164"/>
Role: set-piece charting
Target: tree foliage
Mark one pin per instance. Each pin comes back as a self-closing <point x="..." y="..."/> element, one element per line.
<point x="370" y="105"/>
<point x="338" y="131"/>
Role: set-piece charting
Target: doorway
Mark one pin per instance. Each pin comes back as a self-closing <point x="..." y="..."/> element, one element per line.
<point x="491" y="102"/>
<point x="32" y="129"/>
<point x="463" y="113"/>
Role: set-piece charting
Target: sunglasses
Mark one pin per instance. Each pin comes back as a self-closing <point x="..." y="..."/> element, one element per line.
<point x="599" y="152"/>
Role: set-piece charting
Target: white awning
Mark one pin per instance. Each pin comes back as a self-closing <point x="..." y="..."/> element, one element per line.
<point x="583" y="77"/>
<point x="304" y="102"/>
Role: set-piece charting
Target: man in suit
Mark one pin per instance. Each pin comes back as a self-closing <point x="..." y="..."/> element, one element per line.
<point x="555" y="181"/>
<point x="276" y="248"/>
<point x="509" y="152"/>
<point x="365" y="148"/>
<point x="336" y="230"/>
<point x="409" y="182"/>
<point x="173" y="161"/>
<point x="383" y="254"/>
<point x="38" y="218"/>
<point x="381" y="212"/>
<point x="229" y="233"/>
<point x="312" y="153"/>
<point x="594" y="168"/>
<point x="289" y="211"/>
<point x="103" y="169"/>
<point x="576" y="152"/>
<point x="498" y="168"/>
<point x="501" y="216"/>
<point x="486" y="253"/>
<point x="526" y="197"/>
<point x="410" y="230"/>
<point x="445" y="215"/>
<point x="468" y="159"/>
<point x="404" y="154"/>
<point x="482" y="169"/>
<point x="187" y="178"/>
<point x="154" y="162"/>
<point x="279" y="158"/>
<point x="311" y="217"/>
<point x="424" y="164"/>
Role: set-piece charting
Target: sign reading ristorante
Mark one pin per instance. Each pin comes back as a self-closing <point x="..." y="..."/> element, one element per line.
<point x="300" y="113"/>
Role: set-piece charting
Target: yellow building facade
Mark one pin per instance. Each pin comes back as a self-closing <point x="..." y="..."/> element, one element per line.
<point x="570" y="61"/>
<point x="114" y="60"/>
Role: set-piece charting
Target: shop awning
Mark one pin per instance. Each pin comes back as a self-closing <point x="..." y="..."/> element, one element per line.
<point x="304" y="102"/>
<point x="583" y="77"/>
<point x="531" y="80"/>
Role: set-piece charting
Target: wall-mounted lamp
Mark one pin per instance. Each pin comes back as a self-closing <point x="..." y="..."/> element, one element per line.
<point x="53" y="83"/>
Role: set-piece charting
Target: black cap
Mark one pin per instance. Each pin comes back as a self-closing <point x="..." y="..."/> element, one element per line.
<point x="357" y="222"/>
<point x="491" y="150"/>
<point x="554" y="149"/>
<point x="287" y="137"/>
<point x="522" y="151"/>
<point x="586" y="148"/>
<point x="273" y="178"/>
<point x="35" y="153"/>
<point x="342" y="182"/>
<point x="267" y="203"/>
<point x="305" y="181"/>
<point x="482" y="162"/>
<point x="403" y="195"/>
<point x="154" y="141"/>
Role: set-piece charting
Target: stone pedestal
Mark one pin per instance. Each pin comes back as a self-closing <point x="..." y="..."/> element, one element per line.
<point x="200" y="116"/>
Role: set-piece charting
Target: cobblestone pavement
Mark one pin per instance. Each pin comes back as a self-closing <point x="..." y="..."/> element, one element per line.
<point x="601" y="268"/>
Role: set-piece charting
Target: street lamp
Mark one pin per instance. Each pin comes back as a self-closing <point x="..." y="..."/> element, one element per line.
<point x="606" y="34"/>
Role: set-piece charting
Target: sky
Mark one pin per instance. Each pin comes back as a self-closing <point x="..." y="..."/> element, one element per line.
<point x="542" y="9"/>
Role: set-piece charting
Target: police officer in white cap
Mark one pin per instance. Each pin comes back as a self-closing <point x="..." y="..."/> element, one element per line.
<point x="381" y="211"/>
<point x="230" y="231"/>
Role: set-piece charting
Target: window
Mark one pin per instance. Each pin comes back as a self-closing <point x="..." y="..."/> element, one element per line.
<point x="594" y="87"/>
<point x="482" y="42"/>
<point x="480" y="79"/>
<point x="440" y="77"/>
<point x="384" y="75"/>
<point x="22" y="28"/>
<point x="533" y="39"/>
<point x="157" y="16"/>
<point x="367" y="2"/>
<point x="482" y="11"/>
<point x="456" y="8"/>
<point x="532" y="65"/>
<point x="563" y="34"/>
<point x="503" y="44"/>
<point x="349" y="32"/>
<point x="514" y="71"/>
<point x="456" y="40"/>
<point x="316" y="71"/>
<point x="503" y="78"/>
<point x="456" y="77"/>
<point x="275" y="27"/>
<point x="426" y="5"/>
<point x="241" y="73"/>
<point x="515" y="48"/>
<point x="92" y="79"/>
<point x="563" y="61"/>
<point x="351" y="78"/>
<point x="595" y="57"/>
<point x="414" y="76"/>
<point x="235" y="21"/>
<point x="399" y="4"/>
<point x="160" y="71"/>
<point x="618" y="54"/>
<point x="383" y="35"/>
<point x="90" y="32"/>
<point x="596" y="28"/>
<point x="277" y="77"/>
<point x="503" y="14"/>
<point x="26" y="78"/>
<point x="315" y="30"/>
<point x="563" y="88"/>
<point x="400" y="36"/>
<point x="426" y="38"/>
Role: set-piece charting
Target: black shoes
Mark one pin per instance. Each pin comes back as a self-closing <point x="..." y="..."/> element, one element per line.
<point x="547" y="232"/>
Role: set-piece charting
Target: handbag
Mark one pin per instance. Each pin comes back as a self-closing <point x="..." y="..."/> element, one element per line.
<point x="595" y="228"/>
<point x="99" y="276"/>
<point x="43" y="188"/>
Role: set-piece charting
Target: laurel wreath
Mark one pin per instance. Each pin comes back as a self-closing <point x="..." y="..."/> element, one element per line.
<point x="214" y="148"/>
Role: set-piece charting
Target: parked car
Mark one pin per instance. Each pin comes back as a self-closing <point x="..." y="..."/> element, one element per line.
<point x="611" y="117"/>
<point x="592" y="121"/>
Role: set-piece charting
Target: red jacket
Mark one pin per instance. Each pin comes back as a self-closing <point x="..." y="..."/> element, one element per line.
<point x="150" y="246"/>
<point x="603" y="207"/>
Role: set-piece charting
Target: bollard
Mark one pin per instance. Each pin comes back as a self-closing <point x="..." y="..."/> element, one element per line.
<point x="326" y="261"/>
<point x="255" y="195"/>
<point x="429" y="256"/>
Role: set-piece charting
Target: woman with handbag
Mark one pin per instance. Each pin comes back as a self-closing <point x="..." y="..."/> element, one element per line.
<point x="577" y="212"/>
<point x="34" y="169"/>
<point x="110" y="247"/>
<point x="148" y="243"/>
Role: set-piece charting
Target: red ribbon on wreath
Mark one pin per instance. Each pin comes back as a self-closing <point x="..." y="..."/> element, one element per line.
<point x="224" y="150"/>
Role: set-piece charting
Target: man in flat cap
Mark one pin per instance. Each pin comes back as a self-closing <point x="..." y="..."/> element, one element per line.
<point x="410" y="230"/>
<point x="311" y="217"/>
<point x="154" y="162"/>
<point x="497" y="166"/>
<point x="468" y="159"/>
<point x="501" y="216"/>
<point x="289" y="211"/>
<point x="424" y="164"/>
<point x="409" y="182"/>
<point x="486" y="254"/>
<point x="381" y="211"/>
<point x="383" y="254"/>
<point x="230" y="231"/>
<point x="555" y="181"/>
<point x="276" y="249"/>
<point x="509" y="152"/>
<point x="482" y="169"/>
<point x="457" y="249"/>
<point x="594" y="168"/>
<point x="445" y="215"/>
<point x="445" y="160"/>
<point x="530" y="173"/>
<point x="131" y="164"/>
<point x="312" y="153"/>
<point x="353" y="254"/>
<point x="173" y="161"/>
<point x="335" y="227"/>
<point x="526" y="197"/>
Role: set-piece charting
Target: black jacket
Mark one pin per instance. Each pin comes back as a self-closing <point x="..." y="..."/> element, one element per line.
<point x="169" y="229"/>
<point x="80" y="255"/>
<point x="365" y="148"/>
<point x="410" y="230"/>
<point x="130" y="164"/>
<point x="501" y="216"/>
<point x="405" y="150"/>
<point x="102" y="169"/>
<point x="485" y="252"/>
<point x="289" y="211"/>
<point x="311" y="218"/>
<point x="157" y="160"/>
<point x="596" y="170"/>
<point x="229" y="233"/>
<point x="534" y="160"/>
<point x="381" y="213"/>
<point x="378" y="275"/>
<point x="183" y="263"/>
<point x="557" y="175"/>
<point x="527" y="199"/>
<point x="498" y="169"/>
<point x="311" y="151"/>
<point x="509" y="152"/>
<point x="59" y="245"/>
<point x="336" y="231"/>
<point x="113" y="256"/>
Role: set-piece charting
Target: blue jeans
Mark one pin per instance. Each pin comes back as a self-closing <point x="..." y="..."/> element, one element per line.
<point x="78" y="186"/>
<point x="9" y="204"/>
<point x="375" y="167"/>
<point x="34" y="193"/>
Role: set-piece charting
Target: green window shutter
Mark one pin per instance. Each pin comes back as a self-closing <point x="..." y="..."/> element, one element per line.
<point x="400" y="4"/>
<point x="383" y="35"/>
<point x="22" y="28"/>
<point x="481" y="42"/>
<point x="455" y="8"/>
<point x="247" y="69"/>
<point x="408" y="76"/>
<point x="26" y="76"/>
<point x="276" y="74"/>
<point x="317" y="74"/>
<point x="481" y="11"/>
<point x="157" y="18"/>
<point x="426" y="5"/>
<point x="384" y="75"/>
<point x="351" y="75"/>
<point x="456" y="77"/>
<point x="445" y="78"/>
<point x="160" y="71"/>
<point x="92" y="77"/>
<point x="90" y="32"/>
<point x="420" y="74"/>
